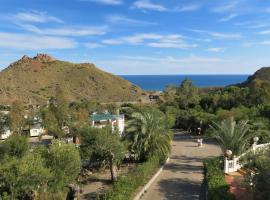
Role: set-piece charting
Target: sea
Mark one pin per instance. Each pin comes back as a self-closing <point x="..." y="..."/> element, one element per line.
<point x="159" y="82"/>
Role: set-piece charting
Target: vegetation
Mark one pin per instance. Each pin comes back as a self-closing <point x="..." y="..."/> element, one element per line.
<point x="149" y="135"/>
<point x="231" y="115"/>
<point x="55" y="116"/>
<point x="37" y="173"/>
<point x="103" y="145"/>
<point x="126" y="186"/>
<point x="65" y="163"/>
<point x="217" y="188"/>
<point x="232" y="135"/>
<point x="258" y="180"/>
<point x="33" y="80"/>
<point x="16" y="118"/>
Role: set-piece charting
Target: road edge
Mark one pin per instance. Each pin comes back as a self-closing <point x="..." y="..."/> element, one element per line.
<point x="150" y="182"/>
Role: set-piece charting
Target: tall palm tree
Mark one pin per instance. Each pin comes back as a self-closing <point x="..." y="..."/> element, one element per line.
<point x="232" y="135"/>
<point x="148" y="133"/>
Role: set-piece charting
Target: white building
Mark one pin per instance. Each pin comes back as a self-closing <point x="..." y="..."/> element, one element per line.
<point x="117" y="122"/>
<point x="36" y="130"/>
<point x="6" y="133"/>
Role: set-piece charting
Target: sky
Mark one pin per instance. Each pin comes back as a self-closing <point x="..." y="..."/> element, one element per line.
<point x="140" y="36"/>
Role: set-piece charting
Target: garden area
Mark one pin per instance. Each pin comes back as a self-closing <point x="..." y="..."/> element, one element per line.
<point x="104" y="165"/>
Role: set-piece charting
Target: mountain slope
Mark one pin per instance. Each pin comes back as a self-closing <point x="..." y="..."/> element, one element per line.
<point x="34" y="80"/>
<point x="258" y="79"/>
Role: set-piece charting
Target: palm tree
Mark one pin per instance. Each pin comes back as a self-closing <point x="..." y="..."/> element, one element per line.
<point x="148" y="133"/>
<point x="232" y="135"/>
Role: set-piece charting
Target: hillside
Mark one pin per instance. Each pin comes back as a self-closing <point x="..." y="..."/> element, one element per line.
<point x="259" y="78"/>
<point x="34" y="80"/>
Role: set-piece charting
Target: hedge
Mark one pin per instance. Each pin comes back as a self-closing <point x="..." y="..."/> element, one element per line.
<point x="126" y="186"/>
<point x="217" y="187"/>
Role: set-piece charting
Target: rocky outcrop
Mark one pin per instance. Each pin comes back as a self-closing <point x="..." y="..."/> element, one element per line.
<point x="43" y="58"/>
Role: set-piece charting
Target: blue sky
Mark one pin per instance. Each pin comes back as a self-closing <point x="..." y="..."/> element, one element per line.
<point x="141" y="36"/>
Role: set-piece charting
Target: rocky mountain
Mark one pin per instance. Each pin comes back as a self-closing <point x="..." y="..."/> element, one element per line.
<point x="34" y="80"/>
<point x="258" y="79"/>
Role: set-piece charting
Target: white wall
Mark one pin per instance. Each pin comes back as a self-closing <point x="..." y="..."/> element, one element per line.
<point x="6" y="134"/>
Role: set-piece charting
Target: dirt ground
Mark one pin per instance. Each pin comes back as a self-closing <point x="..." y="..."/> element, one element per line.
<point x="99" y="182"/>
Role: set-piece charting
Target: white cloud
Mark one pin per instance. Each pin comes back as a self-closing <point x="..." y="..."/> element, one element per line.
<point x="93" y="45"/>
<point x="254" y="24"/>
<point x="134" y="39"/>
<point x="112" y="41"/>
<point x="33" y="17"/>
<point x="265" y="32"/>
<point x="106" y="2"/>
<point x="215" y="49"/>
<point x="229" y="17"/>
<point x="120" y="19"/>
<point x="153" y="40"/>
<point x="67" y="30"/>
<point x="164" y="65"/>
<point x="148" y="5"/>
<point x="251" y="44"/>
<point x="219" y="35"/>
<point x="173" y="44"/>
<point x="33" y="42"/>
<point x="188" y="8"/>
<point x="227" y="7"/>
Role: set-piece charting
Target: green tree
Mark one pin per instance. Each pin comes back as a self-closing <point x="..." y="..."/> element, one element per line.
<point x="147" y="130"/>
<point x="24" y="177"/>
<point x="188" y="94"/>
<point x="170" y="93"/>
<point x="64" y="162"/>
<point x="259" y="164"/>
<point x="79" y="119"/>
<point x="56" y="115"/>
<point x="15" y="146"/>
<point x="17" y="117"/>
<point x="103" y="144"/>
<point x="232" y="135"/>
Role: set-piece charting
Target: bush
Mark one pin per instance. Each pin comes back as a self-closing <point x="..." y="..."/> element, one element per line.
<point x="217" y="187"/>
<point x="126" y="186"/>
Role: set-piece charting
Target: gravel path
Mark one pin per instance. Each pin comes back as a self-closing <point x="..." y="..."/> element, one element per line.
<point x="183" y="176"/>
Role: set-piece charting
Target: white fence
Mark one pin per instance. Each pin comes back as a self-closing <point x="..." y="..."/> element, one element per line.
<point x="234" y="164"/>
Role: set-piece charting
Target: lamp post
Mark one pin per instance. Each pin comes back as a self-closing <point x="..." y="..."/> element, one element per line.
<point x="226" y="161"/>
<point x="255" y="141"/>
<point x="228" y="153"/>
<point x="200" y="140"/>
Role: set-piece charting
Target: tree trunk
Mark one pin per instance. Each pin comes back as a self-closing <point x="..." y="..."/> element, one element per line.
<point x="113" y="169"/>
<point x="33" y="195"/>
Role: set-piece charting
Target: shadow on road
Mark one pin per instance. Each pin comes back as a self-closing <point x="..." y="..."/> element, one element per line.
<point x="180" y="189"/>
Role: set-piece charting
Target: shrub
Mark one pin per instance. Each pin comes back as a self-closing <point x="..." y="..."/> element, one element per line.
<point x="217" y="187"/>
<point x="126" y="186"/>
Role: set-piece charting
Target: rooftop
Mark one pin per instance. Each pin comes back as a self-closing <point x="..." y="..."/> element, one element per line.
<point x="105" y="117"/>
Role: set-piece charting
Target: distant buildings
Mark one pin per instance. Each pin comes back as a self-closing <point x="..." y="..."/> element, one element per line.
<point x="117" y="122"/>
<point x="36" y="130"/>
<point x="6" y="132"/>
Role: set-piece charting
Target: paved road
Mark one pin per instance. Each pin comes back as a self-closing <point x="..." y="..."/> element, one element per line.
<point x="183" y="176"/>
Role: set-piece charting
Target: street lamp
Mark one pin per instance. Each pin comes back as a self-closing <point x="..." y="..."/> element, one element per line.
<point x="199" y="131"/>
<point x="254" y="145"/>
<point x="227" y="165"/>
<point x="255" y="139"/>
<point x="229" y="153"/>
<point x="200" y="140"/>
